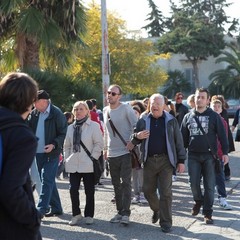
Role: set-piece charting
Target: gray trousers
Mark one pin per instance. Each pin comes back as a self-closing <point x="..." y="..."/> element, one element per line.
<point x="158" y="173"/>
<point x="121" y="171"/>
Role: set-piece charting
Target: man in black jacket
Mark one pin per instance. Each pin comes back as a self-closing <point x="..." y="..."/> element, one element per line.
<point x="19" y="218"/>
<point x="50" y="126"/>
<point x="181" y="109"/>
<point x="200" y="159"/>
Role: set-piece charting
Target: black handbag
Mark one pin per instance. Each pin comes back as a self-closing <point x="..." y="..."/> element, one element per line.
<point x="97" y="168"/>
<point x="215" y="156"/>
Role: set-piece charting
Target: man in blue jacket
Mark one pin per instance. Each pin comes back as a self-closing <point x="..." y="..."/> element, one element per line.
<point x="50" y="126"/>
<point x="161" y="151"/>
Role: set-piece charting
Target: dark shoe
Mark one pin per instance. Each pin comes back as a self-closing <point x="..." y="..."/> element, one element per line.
<point x="227" y="178"/>
<point x="155" y="217"/>
<point x="208" y="219"/>
<point x="196" y="208"/>
<point x="166" y="229"/>
<point x="53" y="214"/>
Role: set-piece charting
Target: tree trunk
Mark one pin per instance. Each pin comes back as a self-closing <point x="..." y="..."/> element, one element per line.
<point x="195" y="73"/>
<point x="27" y="51"/>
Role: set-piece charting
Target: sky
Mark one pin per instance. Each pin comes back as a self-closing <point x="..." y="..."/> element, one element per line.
<point x="134" y="12"/>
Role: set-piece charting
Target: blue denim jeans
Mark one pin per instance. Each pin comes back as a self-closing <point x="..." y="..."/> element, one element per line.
<point x="49" y="198"/>
<point x="121" y="173"/>
<point x="202" y="164"/>
<point x="220" y="183"/>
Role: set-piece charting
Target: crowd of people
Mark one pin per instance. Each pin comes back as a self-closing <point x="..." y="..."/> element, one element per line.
<point x="43" y="142"/>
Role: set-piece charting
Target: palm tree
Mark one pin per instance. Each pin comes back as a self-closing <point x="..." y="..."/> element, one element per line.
<point x="176" y="83"/>
<point x="228" y="78"/>
<point x="40" y="31"/>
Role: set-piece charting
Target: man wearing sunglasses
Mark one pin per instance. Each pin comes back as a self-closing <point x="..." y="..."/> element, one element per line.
<point x="181" y="109"/>
<point x="116" y="150"/>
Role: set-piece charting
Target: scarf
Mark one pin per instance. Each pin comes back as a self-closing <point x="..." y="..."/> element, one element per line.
<point x="77" y="126"/>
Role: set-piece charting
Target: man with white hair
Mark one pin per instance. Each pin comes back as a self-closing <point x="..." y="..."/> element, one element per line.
<point x="50" y="126"/>
<point x="162" y="150"/>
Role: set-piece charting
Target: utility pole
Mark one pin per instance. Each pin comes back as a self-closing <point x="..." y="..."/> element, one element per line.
<point x="105" y="53"/>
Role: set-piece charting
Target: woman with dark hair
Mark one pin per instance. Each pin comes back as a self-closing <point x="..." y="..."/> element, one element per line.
<point x="227" y="170"/>
<point x="19" y="218"/>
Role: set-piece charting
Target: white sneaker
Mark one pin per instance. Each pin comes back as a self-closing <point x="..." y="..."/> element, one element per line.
<point x="75" y="220"/>
<point x="125" y="220"/>
<point x="116" y="218"/>
<point x="224" y="204"/>
<point x="89" y="220"/>
<point x="135" y="199"/>
<point x="142" y="199"/>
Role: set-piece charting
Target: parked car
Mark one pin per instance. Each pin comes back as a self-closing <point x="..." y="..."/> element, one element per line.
<point x="234" y="105"/>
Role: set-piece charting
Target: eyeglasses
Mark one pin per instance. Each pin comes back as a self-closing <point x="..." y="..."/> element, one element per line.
<point x="179" y="98"/>
<point x="113" y="93"/>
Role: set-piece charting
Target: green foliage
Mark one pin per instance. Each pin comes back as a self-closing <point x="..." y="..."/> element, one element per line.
<point x="156" y="26"/>
<point x="64" y="90"/>
<point x="47" y="26"/>
<point x="176" y="82"/>
<point x="227" y="81"/>
<point x="196" y="30"/>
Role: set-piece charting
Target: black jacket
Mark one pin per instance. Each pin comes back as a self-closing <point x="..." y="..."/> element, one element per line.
<point x="19" y="218"/>
<point x="55" y="128"/>
<point x="212" y="124"/>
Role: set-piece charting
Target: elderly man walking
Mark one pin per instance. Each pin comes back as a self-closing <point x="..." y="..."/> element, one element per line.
<point x="162" y="150"/>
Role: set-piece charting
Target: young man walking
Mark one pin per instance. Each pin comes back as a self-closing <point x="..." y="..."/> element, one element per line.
<point x="200" y="157"/>
<point x="117" y="152"/>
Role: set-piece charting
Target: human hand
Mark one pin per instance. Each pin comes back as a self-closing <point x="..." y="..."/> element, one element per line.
<point x="48" y="148"/>
<point x="180" y="168"/>
<point x="143" y="134"/>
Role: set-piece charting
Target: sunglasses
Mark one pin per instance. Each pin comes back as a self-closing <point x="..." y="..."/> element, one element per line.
<point x="112" y="93"/>
<point x="179" y="98"/>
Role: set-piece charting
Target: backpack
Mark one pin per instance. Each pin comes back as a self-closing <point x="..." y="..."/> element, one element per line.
<point x="8" y="125"/>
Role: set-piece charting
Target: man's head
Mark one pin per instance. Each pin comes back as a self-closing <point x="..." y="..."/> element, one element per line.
<point x="201" y="98"/>
<point x="18" y="91"/>
<point x="114" y="94"/>
<point x="179" y="97"/>
<point x="42" y="101"/>
<point x="156" y="105"/>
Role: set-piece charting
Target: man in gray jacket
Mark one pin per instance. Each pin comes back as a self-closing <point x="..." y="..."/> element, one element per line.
<point x="161" y="151"/>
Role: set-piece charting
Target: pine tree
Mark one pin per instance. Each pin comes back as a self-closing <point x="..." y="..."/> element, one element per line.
<point x="156" y="26"/>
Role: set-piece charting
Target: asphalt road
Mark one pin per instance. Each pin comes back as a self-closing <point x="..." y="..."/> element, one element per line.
<point x="226" y="223"/>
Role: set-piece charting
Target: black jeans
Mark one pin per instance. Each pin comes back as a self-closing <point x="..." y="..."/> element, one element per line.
<point x="88" y="181"/>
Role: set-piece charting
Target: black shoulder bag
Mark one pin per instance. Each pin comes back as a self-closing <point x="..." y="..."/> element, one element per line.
<point x="133" y="152"/>
<point x="97" y="168"/>
<point x="215" y="156"/>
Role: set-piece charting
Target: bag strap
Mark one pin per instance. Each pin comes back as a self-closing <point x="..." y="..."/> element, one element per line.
<point x="120" y="136"/>
<point x="86" y="150"/>
<point x="204" y="133"/>
<point x="115" y="130"/>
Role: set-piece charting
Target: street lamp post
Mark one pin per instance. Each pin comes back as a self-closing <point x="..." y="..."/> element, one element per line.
<point x="105" y="53"/>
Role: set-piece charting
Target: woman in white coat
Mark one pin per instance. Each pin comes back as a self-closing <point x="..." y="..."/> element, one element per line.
<point x="78" y="163"/>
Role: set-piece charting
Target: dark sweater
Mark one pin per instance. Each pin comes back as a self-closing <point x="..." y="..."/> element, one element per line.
<point x="19" y="218"/>
<point x="212" y="124"/>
